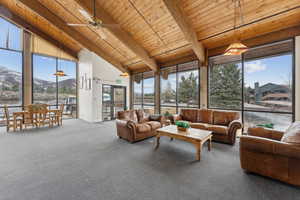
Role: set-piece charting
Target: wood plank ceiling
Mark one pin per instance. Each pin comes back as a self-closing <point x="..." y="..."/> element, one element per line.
<point x="153" y="37"/>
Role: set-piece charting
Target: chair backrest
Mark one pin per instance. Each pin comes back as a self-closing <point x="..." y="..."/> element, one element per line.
<point x="6" y="113"/>
<point x="61" y="108"/>
<point x="127" y="115"/>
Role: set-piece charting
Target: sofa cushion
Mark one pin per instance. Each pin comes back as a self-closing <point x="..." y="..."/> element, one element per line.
<point x="199" y="125"/>
<point x="189" y="114"/>
<point x="223" y="130"/>
<point x="128" y="115"/>
<point x="292" y="134"/>
<point x="154" y="125"/>
<point x="224" y="117"/>
<point x="142" y="116"/>
<point x="142" y="128"/>
<point x="205" y="116"/>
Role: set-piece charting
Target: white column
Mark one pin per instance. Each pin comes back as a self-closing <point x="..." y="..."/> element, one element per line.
<point x="297" y="75"/>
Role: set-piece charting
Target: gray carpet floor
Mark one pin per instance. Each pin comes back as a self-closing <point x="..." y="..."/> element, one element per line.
<point x="81" y="161"/>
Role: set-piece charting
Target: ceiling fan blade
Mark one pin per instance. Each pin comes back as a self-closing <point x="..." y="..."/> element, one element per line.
<point x="78" y="24"/>
<point x="102" y="33"/>
<point x="86" y="14"/>
<point x="110" y="25"/>
<point x="5" y="12"/>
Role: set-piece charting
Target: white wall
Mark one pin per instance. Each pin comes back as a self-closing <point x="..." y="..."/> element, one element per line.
<point x="85" y="68"/>
<point x="102" y="72"/>
<point x="297" y="75"/>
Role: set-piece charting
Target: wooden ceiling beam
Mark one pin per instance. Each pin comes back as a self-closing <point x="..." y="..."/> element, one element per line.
<point x="13" y="17"/>
<point x="44" y="12"/>
<point x="261" y="39"/>
<point x="119" y="33"/>
<point x="183" y="23"/>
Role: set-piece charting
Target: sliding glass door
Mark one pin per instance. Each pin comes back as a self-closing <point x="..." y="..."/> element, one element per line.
<point x="113" y="101"/>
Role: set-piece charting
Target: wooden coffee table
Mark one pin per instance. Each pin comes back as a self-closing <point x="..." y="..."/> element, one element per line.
<point x="195" y="136"/>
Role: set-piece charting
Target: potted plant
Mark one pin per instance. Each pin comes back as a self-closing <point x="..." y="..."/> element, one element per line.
<point x="182" y="125"/>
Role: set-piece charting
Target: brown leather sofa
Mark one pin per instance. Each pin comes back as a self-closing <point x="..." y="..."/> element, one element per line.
<point x="223" y="124"/>
<point x="272" y="153"/>
<point x="135" y="125"/>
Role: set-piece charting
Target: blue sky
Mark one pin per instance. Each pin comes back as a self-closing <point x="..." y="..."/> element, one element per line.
<point x="14" y="35"/>
<point x="269" y="70"/>
<point x="44" y="68"/>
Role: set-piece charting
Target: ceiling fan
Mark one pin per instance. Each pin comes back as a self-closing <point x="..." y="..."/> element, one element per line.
<point x="94" y="22"/>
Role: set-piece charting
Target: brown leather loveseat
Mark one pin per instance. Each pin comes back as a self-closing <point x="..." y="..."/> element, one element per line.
<point x="223" y="124"/>
<point x="272" y="153"/>
<point x="135" y="125"/>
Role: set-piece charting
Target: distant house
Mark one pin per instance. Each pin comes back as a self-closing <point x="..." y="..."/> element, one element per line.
<point x="272" y="94"/>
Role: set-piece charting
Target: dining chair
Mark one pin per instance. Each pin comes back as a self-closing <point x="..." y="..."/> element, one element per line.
<point x="45" y="117"/>
<point x="10" y="123"/>
<point x="31" y="118"/>
<point x="60" y="114"/>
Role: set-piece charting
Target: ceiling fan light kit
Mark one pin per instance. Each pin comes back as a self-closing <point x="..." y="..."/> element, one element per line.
<point x="93" y="22"/>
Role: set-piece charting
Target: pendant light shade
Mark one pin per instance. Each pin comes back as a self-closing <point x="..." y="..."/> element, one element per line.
<point x="60" y="73"/>
<point x="124" y="74"/>
<point x="236" y="48"/>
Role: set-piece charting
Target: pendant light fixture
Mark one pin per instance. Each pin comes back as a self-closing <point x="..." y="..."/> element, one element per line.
<point x="236" y="48"/>
<point x="59" y="73"/>
<point x="124" y="74"/>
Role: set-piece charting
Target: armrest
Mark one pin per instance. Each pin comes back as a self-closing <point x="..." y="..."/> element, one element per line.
<point x="234" y="126"/>
<point x="265" y="133"/>
<point x="265" y="145"/>
<point x="126" y="123"/>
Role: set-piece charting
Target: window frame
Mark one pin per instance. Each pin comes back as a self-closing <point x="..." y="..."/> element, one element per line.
<point x="177" y="72"/>
<point x="142" y="104"/>
<point x="56" y="63"/>
<point x="22" y="63"/>
<point x="243" y="60"/>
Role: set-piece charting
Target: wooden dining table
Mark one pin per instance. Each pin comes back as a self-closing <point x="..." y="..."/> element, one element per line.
<point x="21" y="114"/>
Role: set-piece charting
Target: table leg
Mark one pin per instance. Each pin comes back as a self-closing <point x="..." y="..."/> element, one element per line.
<point x="209" y="144"/>
<point x="157" y="142"/>
<point x="198" y="151"/>
<point x="15" y="123"/>
<point x="171" y="139"/>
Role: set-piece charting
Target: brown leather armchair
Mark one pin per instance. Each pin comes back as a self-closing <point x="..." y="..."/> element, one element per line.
<point x="272" y="153"/>
<point x="223" y="124"/>
<point x="135" y="125"/>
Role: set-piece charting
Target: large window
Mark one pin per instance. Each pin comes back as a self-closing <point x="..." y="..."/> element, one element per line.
<point x="11" y="66"/>
<point x="44" y="81"/>
<point x="51" y="89"/>
<point x="259" y="83"/>
<point x="144" y="96"/>
<point x="225" y="82"/>
<point x="179" y="87"/>
<point x="10" y="36"/>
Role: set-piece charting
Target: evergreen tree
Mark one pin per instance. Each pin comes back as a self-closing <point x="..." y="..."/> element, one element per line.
<point x="188" y="89"/>
<point x="168" y="93"/>
<point x="226" y="86"/>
